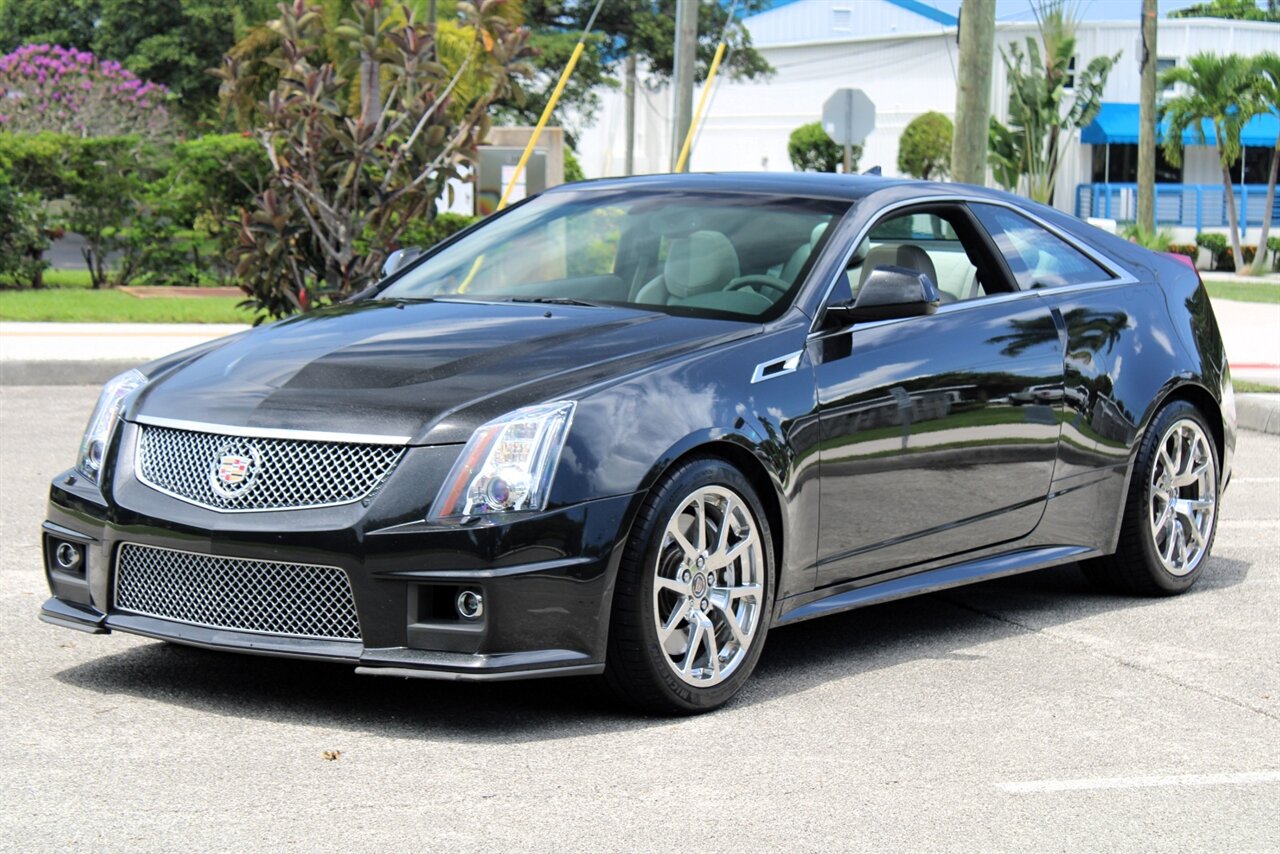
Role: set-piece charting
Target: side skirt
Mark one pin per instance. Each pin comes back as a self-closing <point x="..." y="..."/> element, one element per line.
<point x="845" y="598"/>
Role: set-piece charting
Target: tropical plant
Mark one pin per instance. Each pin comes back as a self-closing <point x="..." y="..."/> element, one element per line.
<point x="52" y="88"/>
<point x="1041" y="110"/>
<point x="811" y="150"/>
<point x="362" y="145"/>
<point x="1264" y="87"/>
<point x="1215" y="88"/>
<point x="1157" y="241"/>
<point x="924" y="151"/>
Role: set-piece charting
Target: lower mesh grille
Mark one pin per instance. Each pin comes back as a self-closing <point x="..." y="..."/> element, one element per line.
<point x="293" y="599"/>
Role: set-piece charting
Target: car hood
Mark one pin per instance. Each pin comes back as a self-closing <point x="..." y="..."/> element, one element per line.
<point x="432" y="371"/>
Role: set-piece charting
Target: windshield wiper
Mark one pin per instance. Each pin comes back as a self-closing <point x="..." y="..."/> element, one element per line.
<point x="555" y="301"/>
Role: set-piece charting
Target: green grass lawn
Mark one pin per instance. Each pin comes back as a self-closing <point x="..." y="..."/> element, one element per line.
<point x="72" y="304"/>
<point x="1249" y="386"/>
<point x="1244" y="291"/>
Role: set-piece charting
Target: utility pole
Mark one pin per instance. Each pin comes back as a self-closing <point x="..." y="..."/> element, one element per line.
<point x="1147" y="121"/>
<point x="686" y="61"/>
<point x="630" y="166"/>
<point x="973" y="91"/>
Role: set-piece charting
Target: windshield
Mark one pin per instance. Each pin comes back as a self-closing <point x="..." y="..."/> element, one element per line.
<point x="735" y="255"/>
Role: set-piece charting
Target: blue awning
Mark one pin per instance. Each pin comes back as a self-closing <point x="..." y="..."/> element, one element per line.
<point x="1117" y="124"/>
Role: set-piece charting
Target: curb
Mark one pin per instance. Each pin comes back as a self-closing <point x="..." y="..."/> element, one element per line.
<point x="1260" y="412"/>
<point x="64" y="372"/>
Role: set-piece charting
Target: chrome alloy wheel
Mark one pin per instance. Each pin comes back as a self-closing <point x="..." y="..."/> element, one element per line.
<point x="708" y="590"/>
<point x="1183" y="496"/>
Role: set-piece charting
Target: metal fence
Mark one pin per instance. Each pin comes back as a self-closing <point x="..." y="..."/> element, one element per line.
<point x="1197" y="206"/>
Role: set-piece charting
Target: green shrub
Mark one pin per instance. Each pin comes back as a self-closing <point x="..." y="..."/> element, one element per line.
<point x="36" y="162"/>
<point x="423" y="235"/>
<point x="924" y="151"/>
<point x="1217" y="246"/>
<point x="811" y="150"/>
<point x="572" y="168"/>
<point x="1273" y="243"/>
<point x="23" y="235"/>
<point x="1228" y="261"/>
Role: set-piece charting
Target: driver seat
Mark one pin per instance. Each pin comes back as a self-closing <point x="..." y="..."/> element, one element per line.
<point x="701" y="263"/>
<point x="898" y="255"/>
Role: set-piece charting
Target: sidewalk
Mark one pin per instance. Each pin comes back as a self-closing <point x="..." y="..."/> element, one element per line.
<point x="91" y="353"/>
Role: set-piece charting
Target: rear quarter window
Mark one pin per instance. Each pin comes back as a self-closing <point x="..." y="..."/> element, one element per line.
<point x="1036" y="257"/>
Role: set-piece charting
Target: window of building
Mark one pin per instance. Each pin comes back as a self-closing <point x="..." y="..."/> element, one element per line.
<point x="1163" y="64"/>
<point x="842" y="20"/>
<point x="1071" y="74"/>
<point x="1119" y="164"/>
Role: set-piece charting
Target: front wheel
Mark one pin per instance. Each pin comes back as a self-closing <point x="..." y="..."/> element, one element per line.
<point x="694" y="591"/>
<point x="1170" y="515"/>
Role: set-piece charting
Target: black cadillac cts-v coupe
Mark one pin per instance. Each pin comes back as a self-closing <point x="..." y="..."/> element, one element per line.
<point x="629" y="427"/>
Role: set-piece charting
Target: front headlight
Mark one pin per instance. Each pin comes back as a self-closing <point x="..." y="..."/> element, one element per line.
<point x="508" y="464"/>
<point x="103" y="421"/>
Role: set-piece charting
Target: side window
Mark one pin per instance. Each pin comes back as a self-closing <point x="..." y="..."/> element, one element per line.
<point x="924" y="241"/>
<point x="1036" y="258"/>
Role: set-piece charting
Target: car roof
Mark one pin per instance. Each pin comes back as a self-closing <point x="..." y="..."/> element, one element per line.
<point x="813" y="184"/>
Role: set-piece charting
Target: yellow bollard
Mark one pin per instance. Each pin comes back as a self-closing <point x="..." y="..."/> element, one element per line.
<point x="702" y="103"/>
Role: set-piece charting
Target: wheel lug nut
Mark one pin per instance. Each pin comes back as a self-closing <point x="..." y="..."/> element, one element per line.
<point x="704" y="604"/>
<point x="702" y="561"/>
<point x="685" y="578"/>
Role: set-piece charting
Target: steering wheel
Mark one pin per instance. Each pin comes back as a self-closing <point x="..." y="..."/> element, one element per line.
<point x="763" y="280"/>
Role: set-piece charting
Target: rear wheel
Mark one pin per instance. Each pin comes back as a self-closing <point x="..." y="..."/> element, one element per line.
<point x="692" y="603"/>
<point x="1170" y="515"/>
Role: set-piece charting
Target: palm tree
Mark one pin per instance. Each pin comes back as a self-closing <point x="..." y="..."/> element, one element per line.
<point x="1266" y="91"/>
<point x="1216" y="88"/>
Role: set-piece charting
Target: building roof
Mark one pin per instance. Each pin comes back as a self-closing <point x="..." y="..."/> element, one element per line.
<point x="1117" y="124"/>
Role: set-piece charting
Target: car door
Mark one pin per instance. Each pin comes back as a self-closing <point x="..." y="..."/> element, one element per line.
<point x="939" y="433"/>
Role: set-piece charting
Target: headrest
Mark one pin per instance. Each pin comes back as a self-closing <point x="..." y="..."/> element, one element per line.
<point x="816" y="234"/>
<point x="702" y="262"/>
<point x="898" y="255"/>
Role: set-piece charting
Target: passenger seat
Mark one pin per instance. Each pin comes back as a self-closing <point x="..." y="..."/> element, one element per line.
<point x="701" y="263"/>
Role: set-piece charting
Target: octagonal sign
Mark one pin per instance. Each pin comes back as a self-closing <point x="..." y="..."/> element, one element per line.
<point x="848" y="116"/>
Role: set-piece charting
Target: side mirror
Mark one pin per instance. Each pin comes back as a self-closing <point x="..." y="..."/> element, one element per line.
<point x="889" y="293"/>
<point x="398" y="259"/>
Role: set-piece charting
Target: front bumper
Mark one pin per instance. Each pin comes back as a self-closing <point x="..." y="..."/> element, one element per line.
<point x="546" y="579"/>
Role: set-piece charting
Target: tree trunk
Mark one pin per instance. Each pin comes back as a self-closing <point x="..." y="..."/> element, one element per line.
<point x="1147" y="121"/>
<point x="686" y="61"/>
<point x="973" y="96"/>
<point x="629" y="167"/>
<point x="1260" y="260"/>
<point x="1231" y="214"/>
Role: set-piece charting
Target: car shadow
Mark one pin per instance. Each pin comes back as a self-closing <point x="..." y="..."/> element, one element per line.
<point x="796" y="659"/>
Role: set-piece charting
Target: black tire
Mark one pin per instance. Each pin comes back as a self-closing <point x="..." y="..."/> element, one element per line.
<point x="639" y="670"/>
<point x="1137" y="567"/>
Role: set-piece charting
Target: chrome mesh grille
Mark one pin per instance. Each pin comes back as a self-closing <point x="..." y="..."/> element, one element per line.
<point x="279" y="474"/>
<point x="294" y="599"/>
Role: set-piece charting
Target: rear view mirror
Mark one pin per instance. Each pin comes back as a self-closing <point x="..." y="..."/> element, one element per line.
<point x="399" y="259"/>
<point x="888" y="293"/>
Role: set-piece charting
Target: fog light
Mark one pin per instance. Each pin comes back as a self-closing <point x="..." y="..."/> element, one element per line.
<point x="470" y="605"/>
<point x="68" y="557"/>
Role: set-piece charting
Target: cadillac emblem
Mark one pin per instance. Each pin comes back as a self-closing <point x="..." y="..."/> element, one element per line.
<point x="233" y="469"/>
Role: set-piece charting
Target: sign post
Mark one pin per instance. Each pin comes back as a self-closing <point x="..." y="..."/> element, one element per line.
<point x="847" y="117"/>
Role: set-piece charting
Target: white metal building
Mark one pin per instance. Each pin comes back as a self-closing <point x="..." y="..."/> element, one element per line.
<point x="904" y="54"/>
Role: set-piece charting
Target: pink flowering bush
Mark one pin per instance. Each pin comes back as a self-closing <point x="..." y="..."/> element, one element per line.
<point x="47" y="87"/>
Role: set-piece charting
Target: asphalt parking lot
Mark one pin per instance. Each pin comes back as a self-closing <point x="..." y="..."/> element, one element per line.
<point x="1023" y="714"/>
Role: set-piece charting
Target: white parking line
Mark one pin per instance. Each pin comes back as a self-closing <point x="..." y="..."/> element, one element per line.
<point x="1255" y="480"/>
<point x="1227" y="779"/>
